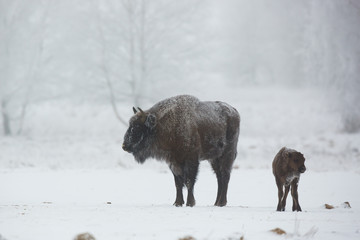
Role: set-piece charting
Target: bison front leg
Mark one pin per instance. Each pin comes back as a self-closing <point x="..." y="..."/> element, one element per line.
<point x="191" y="171"/>
<point x="179" y="183"/>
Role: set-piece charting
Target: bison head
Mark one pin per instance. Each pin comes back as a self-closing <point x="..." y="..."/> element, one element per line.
<point x="136" y="139"/>
<point x="296" y="161"/>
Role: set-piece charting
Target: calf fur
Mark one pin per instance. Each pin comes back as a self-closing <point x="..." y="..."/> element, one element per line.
<point x="287" y="166"/>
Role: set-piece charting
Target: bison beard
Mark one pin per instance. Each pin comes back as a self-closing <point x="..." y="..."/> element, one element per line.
<point x="182" y="131"/>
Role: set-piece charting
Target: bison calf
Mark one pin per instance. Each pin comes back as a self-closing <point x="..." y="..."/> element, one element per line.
<point x="287" y="166"/>
<point x="182" y="131"/>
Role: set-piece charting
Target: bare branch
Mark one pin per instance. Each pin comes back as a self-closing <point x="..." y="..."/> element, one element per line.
<point x="106" y="71"/>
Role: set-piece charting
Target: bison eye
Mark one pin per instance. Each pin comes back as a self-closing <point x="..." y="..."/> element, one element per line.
<point x="134" y="129"/>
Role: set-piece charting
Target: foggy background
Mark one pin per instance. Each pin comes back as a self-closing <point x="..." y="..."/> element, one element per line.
<point x="95" y="59"/>
<point x="71" y="71"/>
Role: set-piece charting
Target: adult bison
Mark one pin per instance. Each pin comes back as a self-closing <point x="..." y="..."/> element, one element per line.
<point x="182" y="131"/>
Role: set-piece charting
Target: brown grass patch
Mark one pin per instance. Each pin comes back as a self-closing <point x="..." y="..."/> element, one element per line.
<point x="187" y="238"/>
<point x="278" y="231"/>
<point x="328" y="206"/>
<point x="84" y="236"/>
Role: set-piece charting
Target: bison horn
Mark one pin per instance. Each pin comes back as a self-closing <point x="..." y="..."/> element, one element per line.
<point x="140" y="110"/>
<point x="134" y="109"/>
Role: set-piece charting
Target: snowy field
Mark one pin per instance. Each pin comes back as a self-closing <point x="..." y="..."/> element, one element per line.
<point x="68" y="175"/>
<point x="37" y="204"/>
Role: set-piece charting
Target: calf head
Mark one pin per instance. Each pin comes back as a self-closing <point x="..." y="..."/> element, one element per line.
<point x="295" y="161"/>
<point x="137" y="136"/>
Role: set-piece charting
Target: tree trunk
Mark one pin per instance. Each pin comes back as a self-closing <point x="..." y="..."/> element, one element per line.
<point x="6" y="119"/>
<point x="105" y="69"/>
<point x="22" y="117"/>
<point x="142" y="50"/>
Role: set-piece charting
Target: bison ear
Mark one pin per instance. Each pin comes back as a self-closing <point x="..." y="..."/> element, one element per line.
<point x="150" y="121"/>
<point x="134" y="110"/>
<point x="286" y="154"/>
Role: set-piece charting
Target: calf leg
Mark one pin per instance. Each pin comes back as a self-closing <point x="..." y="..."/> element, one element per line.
<point x="280" y="195"/>
<point x="283" y="201"/>
<point x="294" y="194"/>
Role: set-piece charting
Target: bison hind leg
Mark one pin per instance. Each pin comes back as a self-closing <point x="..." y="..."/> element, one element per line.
<point x="223" y="182"/>
<point x="222" y="171"/>
<point x="222" y="165"/>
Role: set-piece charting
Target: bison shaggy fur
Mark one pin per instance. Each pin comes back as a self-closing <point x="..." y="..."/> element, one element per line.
<point x="181" y="131"/>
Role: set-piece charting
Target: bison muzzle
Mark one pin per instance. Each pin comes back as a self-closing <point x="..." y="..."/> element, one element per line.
<point x="182" y="131"/>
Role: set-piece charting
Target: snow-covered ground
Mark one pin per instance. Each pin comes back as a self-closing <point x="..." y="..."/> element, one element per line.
<point x="68" y="175"/>
<point x="38" y="204"/>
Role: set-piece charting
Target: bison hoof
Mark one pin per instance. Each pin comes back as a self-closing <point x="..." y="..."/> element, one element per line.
<point x="178" y="204"/>
<point x="220" y="204"/>
<point x="280" y="209"/>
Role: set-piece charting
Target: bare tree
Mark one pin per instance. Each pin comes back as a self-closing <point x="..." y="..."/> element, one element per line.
<point x="142" y="44"/>
<point x="333" y="46"/>
<point x="19" y="59"/>
<point x="104" y="64"/>
<point x="262" y="40"/>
